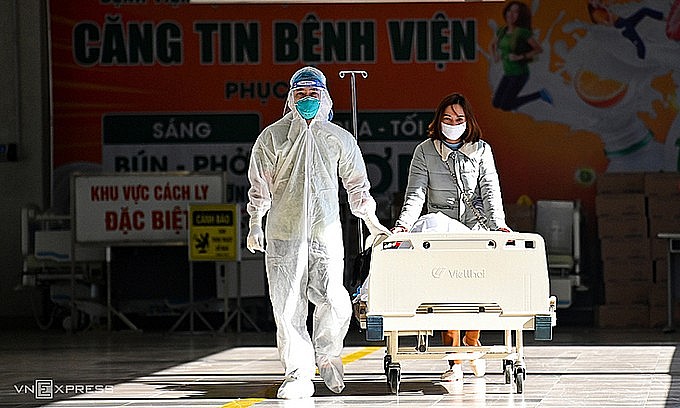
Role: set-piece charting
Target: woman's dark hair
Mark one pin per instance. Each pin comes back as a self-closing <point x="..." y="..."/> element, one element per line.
<point x="524" y="17"/>
<point x="473" y="132"/>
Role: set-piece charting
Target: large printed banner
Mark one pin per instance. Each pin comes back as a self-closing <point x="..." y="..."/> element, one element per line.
<point x="156" y="86"/>
<point x="140" y="208"/>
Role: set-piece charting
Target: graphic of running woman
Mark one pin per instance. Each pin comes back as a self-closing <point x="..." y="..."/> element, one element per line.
<point x="601" y="14"/>
<point x="515" y="46"/>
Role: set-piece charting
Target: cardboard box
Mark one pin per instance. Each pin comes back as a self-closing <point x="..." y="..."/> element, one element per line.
<point x="520" y="217"/>
<point x="658" y="316"/>
<point x="623" y="316"/>
<point x="663" y="206"/>
<point x="662" y="183"/>
<point x="658" y="248"/>
<point x="667" y="224"/>
<point x="660" y="270"/>
<point x="628" y="270"/>
<point x="627" y="293"/>
<point x="622" y="227"/>
<point x="658" y="294"/>
<point x="620" y="205"/>
<point x="619" y="183"/>
<point x="624" y="248"/>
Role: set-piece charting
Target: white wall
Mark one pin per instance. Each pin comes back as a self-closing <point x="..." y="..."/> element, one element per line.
<point x="23" y="120"/>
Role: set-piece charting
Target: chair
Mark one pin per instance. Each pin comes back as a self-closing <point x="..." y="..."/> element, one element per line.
<point x="558" y="222"/>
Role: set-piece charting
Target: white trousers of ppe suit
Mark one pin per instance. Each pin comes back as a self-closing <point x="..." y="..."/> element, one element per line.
<point x="293" y="281"/>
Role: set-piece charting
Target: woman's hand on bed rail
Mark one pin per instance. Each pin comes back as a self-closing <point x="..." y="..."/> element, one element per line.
<point x="398" y="228"/>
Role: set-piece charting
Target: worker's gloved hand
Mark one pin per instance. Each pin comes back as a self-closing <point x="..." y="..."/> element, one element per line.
<point x="255" y="240"/>
<point x="398" y="228"/>
<point x="374" y="226"/>
<point x="503" y="229"/>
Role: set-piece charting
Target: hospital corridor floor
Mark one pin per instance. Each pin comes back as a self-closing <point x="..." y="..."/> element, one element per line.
<point x="580" y="367"/>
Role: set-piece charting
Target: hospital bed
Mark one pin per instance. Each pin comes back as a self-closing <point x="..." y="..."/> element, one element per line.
<point x="422" y="282"/>
<point x="46" y="250"/>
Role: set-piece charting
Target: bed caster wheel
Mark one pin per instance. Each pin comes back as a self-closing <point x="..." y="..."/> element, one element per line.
<point x="394" y="377"/>
<point x="386" y="363"/>
<point x="508" y="371"/>
<point x="520" y="376"/>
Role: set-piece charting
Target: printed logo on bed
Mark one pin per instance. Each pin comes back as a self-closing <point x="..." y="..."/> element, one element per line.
<point x="444" y="272"/>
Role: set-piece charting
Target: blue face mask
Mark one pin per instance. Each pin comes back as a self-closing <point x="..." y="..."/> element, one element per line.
<point x="308" y="107"/>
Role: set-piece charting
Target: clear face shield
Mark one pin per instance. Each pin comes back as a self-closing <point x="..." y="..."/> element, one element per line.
<point x="308" y="95"/>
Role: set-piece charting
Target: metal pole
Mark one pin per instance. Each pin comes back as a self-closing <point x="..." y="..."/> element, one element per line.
<point x="355" y="130"/>
<point x="191" y="297"/>
<point x="109" y="324"/>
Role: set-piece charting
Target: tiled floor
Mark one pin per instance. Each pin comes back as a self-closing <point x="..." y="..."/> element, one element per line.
<point x="581" y="367"/>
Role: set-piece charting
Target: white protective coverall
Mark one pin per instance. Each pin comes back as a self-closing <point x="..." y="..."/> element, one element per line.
<point x="293" y="172"/>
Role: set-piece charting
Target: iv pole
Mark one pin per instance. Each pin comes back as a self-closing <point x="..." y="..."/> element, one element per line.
<point x="353" y="89"/>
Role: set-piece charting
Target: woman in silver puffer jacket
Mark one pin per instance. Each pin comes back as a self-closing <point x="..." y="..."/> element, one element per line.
<point x="455" y="171"/>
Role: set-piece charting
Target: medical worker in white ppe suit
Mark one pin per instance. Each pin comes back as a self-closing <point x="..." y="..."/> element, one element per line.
<point x="294" y="169"/>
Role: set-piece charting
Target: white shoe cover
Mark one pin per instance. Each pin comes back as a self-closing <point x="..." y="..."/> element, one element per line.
<point x="332" y="372"/>
<point x="455" y="373"/>
<point x="294" y="387"/>
<point x="478" y="366"/>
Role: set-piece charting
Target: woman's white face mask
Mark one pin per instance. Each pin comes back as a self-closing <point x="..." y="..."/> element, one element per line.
<point x="453" y="132"/>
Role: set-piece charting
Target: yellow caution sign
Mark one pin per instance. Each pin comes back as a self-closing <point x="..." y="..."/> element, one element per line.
<point x="525" y="200"/>
<point x="214" y="232"/>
